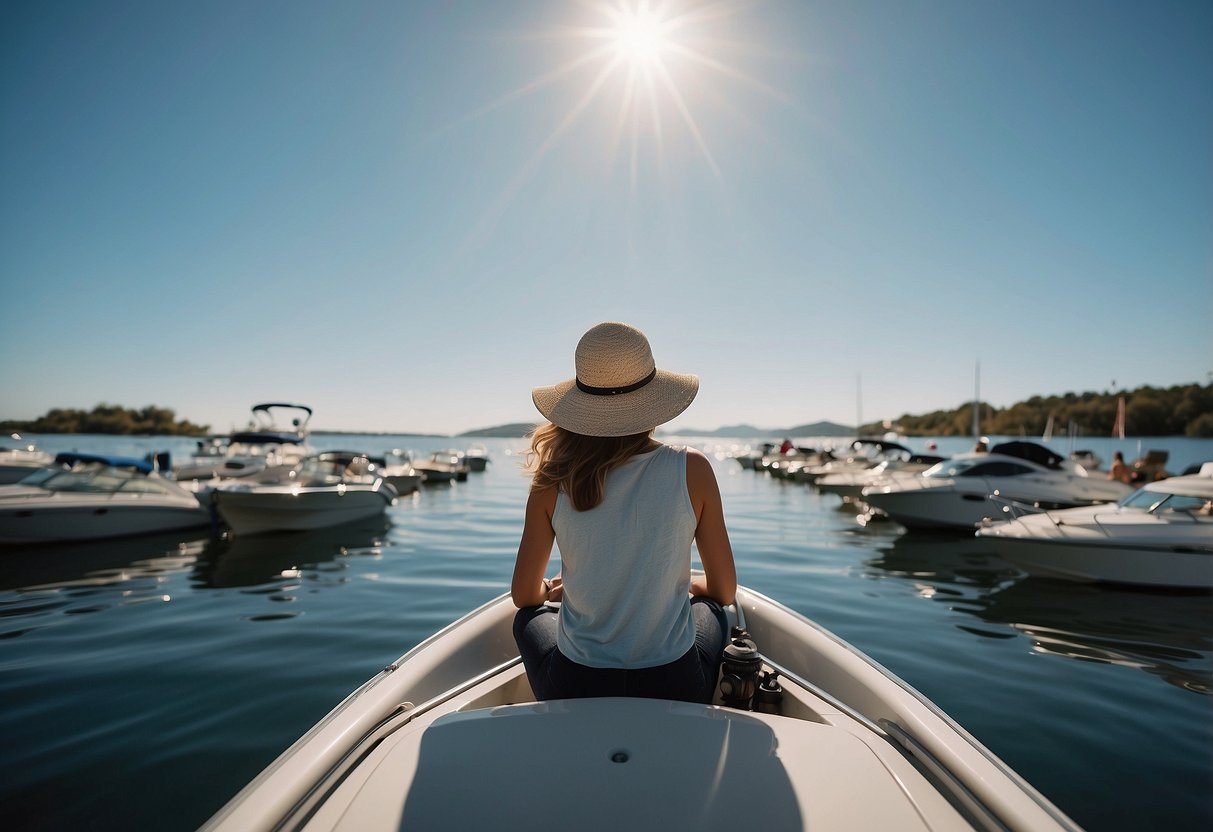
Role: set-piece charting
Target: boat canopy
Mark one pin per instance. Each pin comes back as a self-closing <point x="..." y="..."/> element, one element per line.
<point x="73" y="458"/>
<point x="881" y="444"/>
<point x="268" y="405"/>
<point x="265" y="437"/>
<point x="349" y="456"/>
<point x="1031" y="452"/>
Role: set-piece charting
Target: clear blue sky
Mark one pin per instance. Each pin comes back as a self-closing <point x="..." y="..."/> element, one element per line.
<point x="406" y="214"/>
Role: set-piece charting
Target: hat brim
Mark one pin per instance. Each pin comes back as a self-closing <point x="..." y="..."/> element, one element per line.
<point x="624" y="414"/>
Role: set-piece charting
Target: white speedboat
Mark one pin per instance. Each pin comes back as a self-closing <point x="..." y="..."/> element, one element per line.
<point x="750" y="459"/>
<point x="399" y="473"/>
<point x="1088" y="459"/>
<point x="863" y="455"/>
<point x="324" y="490"/>
<point x="1161" y="535"/>
<point x="443" y="466"/>
<point x="19" y="458"/>
<point x="264" y="450"/>
<point x="94" y="496"/>
<point x="963" y="491"/>
<point x="449" y="736"/>
<point x="395" y="467"/>
<point x="850" y="484"/>
<point x="476" y="458"/>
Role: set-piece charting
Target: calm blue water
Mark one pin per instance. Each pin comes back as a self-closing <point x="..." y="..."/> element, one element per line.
<point x="145" y="681"/>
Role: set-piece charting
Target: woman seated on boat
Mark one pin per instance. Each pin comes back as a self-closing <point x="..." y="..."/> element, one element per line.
<point x="1118" y="470"/>
<point x="623" y="509"/>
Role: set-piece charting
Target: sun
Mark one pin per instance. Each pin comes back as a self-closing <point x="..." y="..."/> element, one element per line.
<point x="640" y="35"/>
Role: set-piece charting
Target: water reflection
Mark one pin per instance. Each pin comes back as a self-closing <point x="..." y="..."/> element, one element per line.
<point x="97" y="563"/>
<point x="1165" y="633"/>
<point x="266" y="558"/>
<point x="942" y="559"/>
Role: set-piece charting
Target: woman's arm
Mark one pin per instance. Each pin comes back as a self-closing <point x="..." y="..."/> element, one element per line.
<point x="719" y="579"/>
<point x="535" y="549"/>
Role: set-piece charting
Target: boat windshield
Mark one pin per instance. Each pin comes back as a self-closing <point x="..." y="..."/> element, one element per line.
<point x="977" y="467"/>
<point x="333" y="468"/>
<point x="94" y="478"/>
<point x="951" y="468"/>
<point x="1157" y="502"/>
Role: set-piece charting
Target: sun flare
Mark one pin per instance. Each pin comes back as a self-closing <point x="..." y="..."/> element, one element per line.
<point x="651" y="76"/>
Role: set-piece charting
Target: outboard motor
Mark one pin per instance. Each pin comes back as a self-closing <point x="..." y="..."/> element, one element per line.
<point x="740" y="665"/>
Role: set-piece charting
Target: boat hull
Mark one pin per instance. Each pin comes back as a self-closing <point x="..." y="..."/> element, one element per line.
<point x="1102" y="562"/>
<point x="61" y="517"/>
<point x="957" y="505"/>
<point x="259" y="510"/>
<point x="404" y="483"/>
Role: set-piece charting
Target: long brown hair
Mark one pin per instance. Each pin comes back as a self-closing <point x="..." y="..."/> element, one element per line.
<point x="577" y="464"/>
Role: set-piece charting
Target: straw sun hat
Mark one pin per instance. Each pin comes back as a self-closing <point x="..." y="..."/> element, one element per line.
<point x="618" y="390"/>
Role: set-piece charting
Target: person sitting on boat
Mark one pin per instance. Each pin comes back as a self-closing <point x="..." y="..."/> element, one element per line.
<point x="1118" y="470"/>
<point x="624" y="510"/>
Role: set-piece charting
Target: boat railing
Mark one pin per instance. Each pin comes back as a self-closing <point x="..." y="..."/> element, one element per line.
<point x="1017" y="508"/>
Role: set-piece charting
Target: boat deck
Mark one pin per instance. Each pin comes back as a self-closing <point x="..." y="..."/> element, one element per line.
<point x="619" y="764"/>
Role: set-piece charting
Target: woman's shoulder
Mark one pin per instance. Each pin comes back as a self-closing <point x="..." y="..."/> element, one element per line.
<point x="681" y="450"/>
<point x="544" y="497"/>
<point x="698" y="464"/>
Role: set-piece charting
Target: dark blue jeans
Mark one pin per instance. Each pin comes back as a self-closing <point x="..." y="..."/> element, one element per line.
<point x="691" y="678"/>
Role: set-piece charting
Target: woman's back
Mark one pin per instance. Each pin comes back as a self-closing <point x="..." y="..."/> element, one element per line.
<point x="626" y="566"/>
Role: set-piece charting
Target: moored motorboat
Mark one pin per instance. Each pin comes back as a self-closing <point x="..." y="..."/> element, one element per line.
<point x="750" y="459"/>
<point x="834" y="742"/>
<point x="399" y="473"/>
<point x="963" y="491"/>
<point x="476" y="458"/>
<point x="19" y="458"/>
<point x="264" y="450"/>
<point x="863" y="454"/>
<point x="395" y="467"/>
<point x="1161" y="535"/>
<point x="443" y="467"/>
<point x="1088" y="459"/>
<point x="328" y="489"/>
<point x="94" y="496"/>
<point x="850" y="484"/>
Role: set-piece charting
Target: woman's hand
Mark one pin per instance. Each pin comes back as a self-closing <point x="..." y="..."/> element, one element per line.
<point x="556" y="590"/>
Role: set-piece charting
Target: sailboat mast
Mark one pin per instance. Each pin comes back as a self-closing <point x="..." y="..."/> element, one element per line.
<point x="858" y="403"/>
<point x="977" y="402"/>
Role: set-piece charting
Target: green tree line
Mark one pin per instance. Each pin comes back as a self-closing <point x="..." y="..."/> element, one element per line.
<point x="1183" y="410"/>
<point x="109" y="419"/>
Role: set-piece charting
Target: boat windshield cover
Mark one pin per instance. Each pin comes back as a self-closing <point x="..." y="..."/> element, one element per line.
<point x="265" y="437"/>
<point x="1031" y="452"/>
<point x="73" y="458"/>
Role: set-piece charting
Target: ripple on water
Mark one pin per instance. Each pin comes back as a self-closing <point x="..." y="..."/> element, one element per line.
<point x="273" y="616"/>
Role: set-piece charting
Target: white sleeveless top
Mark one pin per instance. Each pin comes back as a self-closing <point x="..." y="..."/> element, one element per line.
<point x="626" y="566"/>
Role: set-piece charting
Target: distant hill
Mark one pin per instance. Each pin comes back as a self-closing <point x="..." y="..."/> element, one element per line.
<point x="751" y="432"/>
<point x="514" y="430"/>
<point x="517" y="430"/>
<point x="821" y="429"/>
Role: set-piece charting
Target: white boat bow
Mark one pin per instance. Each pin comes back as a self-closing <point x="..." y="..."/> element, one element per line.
<point x="450" y="737"/>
